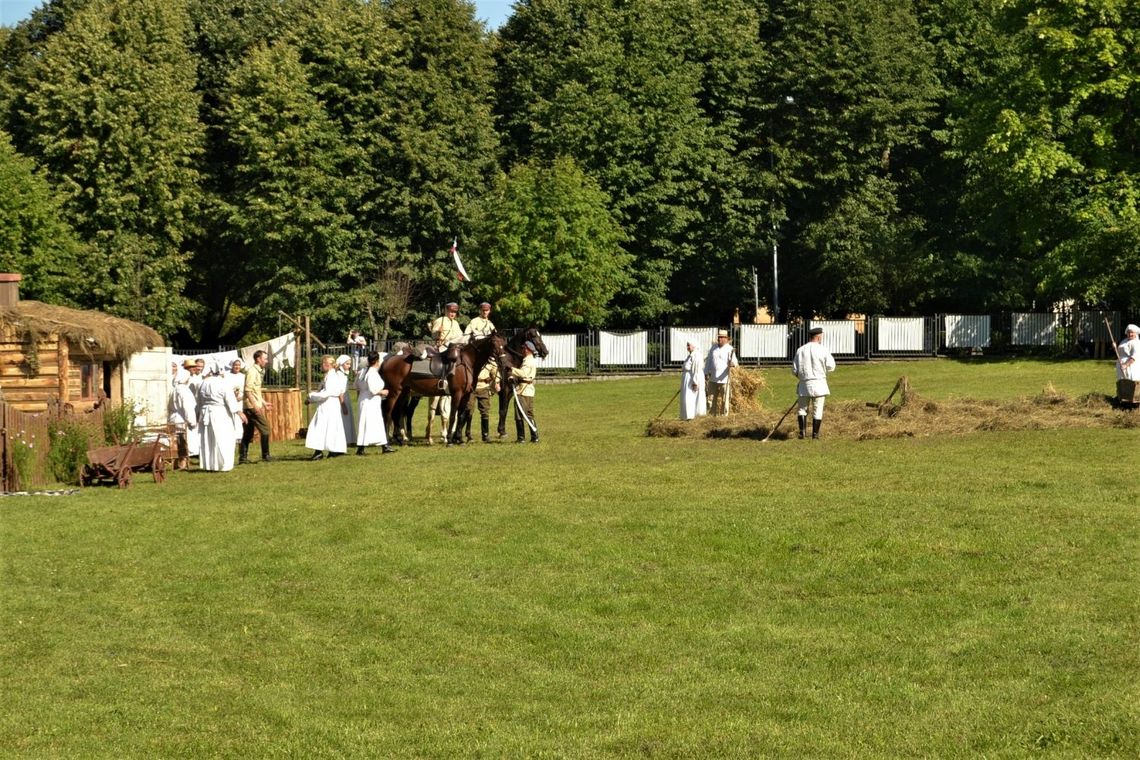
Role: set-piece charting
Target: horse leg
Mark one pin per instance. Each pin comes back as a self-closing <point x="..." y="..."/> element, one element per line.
<point x="430" y="420"/>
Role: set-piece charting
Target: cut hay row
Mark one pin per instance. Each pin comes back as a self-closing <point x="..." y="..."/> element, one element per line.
<point x="909" y="415"/>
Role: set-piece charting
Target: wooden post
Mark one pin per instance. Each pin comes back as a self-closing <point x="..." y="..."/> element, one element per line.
<point x="308" y="366"/>
<point x="63" y="368"/>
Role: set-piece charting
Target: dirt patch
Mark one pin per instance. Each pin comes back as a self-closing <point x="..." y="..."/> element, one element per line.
<point x="906" y="414"/>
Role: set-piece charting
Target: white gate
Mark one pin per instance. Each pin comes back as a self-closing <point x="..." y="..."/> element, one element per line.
<point x="147" y="381"/>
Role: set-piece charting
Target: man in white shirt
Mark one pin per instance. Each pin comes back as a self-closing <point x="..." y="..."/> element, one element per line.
<point x="811" y="364"/>
<point x="721" y="359"/>
<point x="481" y="326"/>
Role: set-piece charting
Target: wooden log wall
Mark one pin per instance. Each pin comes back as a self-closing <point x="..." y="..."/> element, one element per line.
<point x="285" y="418"/>
<point x="29" y="388"/>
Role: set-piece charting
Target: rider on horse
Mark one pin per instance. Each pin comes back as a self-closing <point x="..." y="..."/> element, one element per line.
<point x="446" y="333"/>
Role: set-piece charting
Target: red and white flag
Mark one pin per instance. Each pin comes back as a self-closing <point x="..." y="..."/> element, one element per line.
<point x="460" y="271"/>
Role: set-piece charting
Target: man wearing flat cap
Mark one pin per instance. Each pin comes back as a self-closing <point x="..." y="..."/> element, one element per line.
<point x="811" y="364"/>
<point x="523" y="377"/>
<point x="446" y="333"/>
<point x="481" y="326"/>
<point x="718" y="364"/>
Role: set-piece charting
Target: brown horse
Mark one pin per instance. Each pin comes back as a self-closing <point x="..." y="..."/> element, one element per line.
<point x="459" y="385"/>
<point x="512" y="356"/>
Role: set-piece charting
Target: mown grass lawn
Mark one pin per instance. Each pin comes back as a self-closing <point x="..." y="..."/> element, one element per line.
<point x="599" y="594"/>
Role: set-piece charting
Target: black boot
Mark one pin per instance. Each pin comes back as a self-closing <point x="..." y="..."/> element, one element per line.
<point x="520" y="434"/>
<point x="803" y="426"/>
<point x="243" y="453"/>
<point x="359" y="451"/>
<point x="317" y="455"/>
<point x="815" y="429"/>
<point x="485" y="429"/>
<point x="387" y="449"/>
<point x="265" y="451"/>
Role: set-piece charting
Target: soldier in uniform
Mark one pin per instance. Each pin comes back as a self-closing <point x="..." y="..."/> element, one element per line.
<point x="446" y="334"/>
<point x="481" y="326"/>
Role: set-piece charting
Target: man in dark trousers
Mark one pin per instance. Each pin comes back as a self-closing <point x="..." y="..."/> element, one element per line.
<point x="255" y="407"/>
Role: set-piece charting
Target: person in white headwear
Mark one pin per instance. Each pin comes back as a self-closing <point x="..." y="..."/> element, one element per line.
<point x="718" y="366"/>
<point x="370" y="392"/>
<point x="344" y="365"/>
<point x="326" y="428"/>
<point x="235" y="378"/>
<point x="218" y="408"/>
<point x="184" y="413"/>
<point x="693" y="402"/>
<point x="811" y="364"/>
<point x="1128" y="355"/>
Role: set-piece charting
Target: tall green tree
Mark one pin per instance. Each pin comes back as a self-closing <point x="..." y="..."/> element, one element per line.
<point x="612" y="85"/>
<point x="1053" y="146"/>
<point x="114" y="120"/>
<point x="854" y="88"/>
<point x="34" y="239"/>
<point x="550" y="247"/>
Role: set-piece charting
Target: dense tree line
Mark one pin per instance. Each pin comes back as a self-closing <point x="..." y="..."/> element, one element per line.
<point x="201" y="165"/>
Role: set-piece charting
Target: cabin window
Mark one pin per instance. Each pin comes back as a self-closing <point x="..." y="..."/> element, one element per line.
<point x="90" y="382"/>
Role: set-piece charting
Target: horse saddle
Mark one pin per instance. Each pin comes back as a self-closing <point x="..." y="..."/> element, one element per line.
<point x="431" y="367"/>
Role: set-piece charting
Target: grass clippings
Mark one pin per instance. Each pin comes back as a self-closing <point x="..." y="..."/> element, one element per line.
<point x="906" y="414"/>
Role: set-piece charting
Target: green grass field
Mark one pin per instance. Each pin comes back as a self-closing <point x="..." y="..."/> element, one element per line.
<point x="599" y="594"/>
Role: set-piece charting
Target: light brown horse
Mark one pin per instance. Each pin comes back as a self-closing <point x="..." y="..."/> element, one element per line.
<point x="459" y="385"/>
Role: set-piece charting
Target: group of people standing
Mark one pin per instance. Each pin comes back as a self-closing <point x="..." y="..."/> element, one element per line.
<point x="811" y="364"/>
<point x="333" y="428"/>
<point x="216" y="409"/>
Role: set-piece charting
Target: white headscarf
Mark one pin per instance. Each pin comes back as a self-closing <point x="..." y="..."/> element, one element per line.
<point x="342" y="360"/>
<point x="1131" y="328"/>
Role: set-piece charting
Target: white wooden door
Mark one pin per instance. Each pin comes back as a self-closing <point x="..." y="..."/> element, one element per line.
<point x="146" y="380"/>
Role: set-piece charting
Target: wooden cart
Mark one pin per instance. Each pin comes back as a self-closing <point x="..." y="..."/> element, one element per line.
<point x="116" y="464"/>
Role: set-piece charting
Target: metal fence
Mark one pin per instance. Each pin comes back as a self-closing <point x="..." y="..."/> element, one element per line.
<point x="600" y="352"/>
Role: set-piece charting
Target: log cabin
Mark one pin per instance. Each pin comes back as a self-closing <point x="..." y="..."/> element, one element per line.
<point x="52" y="354"/>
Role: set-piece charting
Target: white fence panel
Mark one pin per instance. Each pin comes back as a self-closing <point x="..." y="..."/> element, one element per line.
<point x="562" y="352"/>
<point x="901" y="333"/>
<point x="764" y="341"/>
<point x="838" y="335"/>
<point x="702" y="337"/>
<point x="1031" y="329"/>
<point x="967" y="330"/>
<point x="632" y="348"/>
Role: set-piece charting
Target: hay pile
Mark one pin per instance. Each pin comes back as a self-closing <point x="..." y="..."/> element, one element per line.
<point x="908" y="414"/>
<point x="743" y="385"/>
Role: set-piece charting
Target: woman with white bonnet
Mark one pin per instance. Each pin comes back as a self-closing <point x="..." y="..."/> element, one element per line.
<point x="217" y="410"/>
<point x="370" y="392"/>
<point x="184" y="416"/>
<point x="326" y="428"/>
<point x="1128" y="355"/>
<point x="693" y="402"/>
<point x="236" y="380"/>
<point x="344" y="366"/>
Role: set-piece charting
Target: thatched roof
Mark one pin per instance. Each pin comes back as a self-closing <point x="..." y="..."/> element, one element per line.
<point x="93" y="332"/>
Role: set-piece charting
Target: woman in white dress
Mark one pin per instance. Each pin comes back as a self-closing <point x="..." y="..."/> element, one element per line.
<point x="326" y="428"/>
<point x="1128" y="355"/>
<point x="344" y="365"/>
<point x="693" y="401"/>
<point x="217" y="410"/>
<point x="236" y="380"/>
<point x="370" y="394"/>
<point x="184" y="416"/>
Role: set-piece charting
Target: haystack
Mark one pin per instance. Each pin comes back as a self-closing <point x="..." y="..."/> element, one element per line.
<point x="909" y="415"/>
